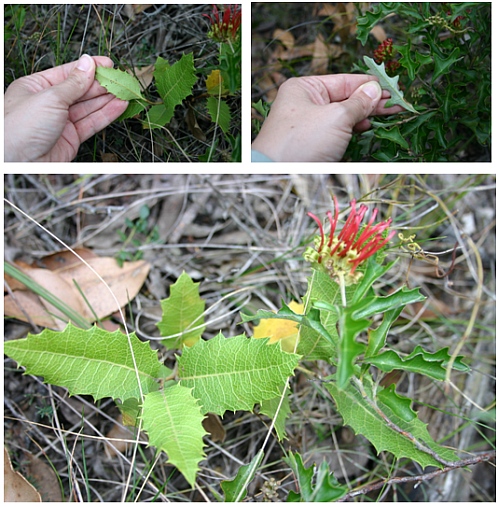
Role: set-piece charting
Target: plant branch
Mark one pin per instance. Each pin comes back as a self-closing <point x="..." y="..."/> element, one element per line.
<point x="487" y="456"/>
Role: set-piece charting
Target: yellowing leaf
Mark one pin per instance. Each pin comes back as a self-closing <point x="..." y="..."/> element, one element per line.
<point x="276" y="330"/>
<point x="215" y="83"/>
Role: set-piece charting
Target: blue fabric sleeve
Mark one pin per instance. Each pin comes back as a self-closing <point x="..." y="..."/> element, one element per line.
<point x="257" y="156"/>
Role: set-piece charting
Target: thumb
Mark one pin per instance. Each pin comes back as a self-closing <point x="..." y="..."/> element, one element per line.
<point x="363" y="101"/>
<point x="78" y="82"/>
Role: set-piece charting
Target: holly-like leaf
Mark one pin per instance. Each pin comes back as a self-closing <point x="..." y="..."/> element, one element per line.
<point x="133" y="109"/>
<point x="235" y="373"/>
<point x="173" y="420"/>
<point x="419" y="361"/>
<point x="119" y="83"/>
<point x="388" y="83"/>
<point x="174" y="83"/>
<point x="215" y="84"/>
<point x="182" y="314"/>
<point x="91" y="361"/>
<point x="219" y="113"/>
<point x="321" y="486"/>
<point x="365" y="420"/>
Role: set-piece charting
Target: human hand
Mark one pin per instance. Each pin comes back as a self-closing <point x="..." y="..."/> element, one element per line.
<point x="313" y="118"/>
<point x="50" y="113"/>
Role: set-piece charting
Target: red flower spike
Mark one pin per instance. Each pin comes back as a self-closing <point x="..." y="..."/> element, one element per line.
<point x="353" y="245"/>
<point x="225" y="29"/>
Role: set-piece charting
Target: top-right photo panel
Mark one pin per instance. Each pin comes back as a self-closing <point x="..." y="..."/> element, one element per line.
<point x="371" y="82"/>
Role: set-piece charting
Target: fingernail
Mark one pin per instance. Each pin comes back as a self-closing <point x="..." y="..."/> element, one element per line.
<point x="84" y="63"/>
<point x="372" y="89"/>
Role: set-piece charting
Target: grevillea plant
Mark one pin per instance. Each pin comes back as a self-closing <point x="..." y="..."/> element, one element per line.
<point x="175" y="82"/>
<point x="342" y="321"/>
<point x="440" y="59"/>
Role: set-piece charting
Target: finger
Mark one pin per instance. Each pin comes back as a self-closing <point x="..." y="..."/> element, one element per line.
<point x="100" y="118"/>
<point x="341" y="86"/>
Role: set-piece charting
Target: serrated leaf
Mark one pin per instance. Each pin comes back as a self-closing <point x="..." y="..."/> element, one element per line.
<point x="321" y="486"/>
<point x="119" y="83"/>
<point x="388" y="83"/>
<point x="173" y="420"/>
<point x="269" y="408"/>
<point x="235" y="373"/>
<point x="174" y="83"/>
<point x="182" y="314"/>
<point x="91" y="361"/>
<point x="236" y="489"/>
<point x="364" y="419"/>
<point x="419" y="361"/>
<point x="219" y="113"/>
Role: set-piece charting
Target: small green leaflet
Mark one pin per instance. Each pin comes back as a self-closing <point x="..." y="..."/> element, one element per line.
<point x="182" y="314"/>
<point x="119" y="83"/>
<point x="388" y="83"/>
<point x="173" y="421"/>
<point x="269" y="407"/>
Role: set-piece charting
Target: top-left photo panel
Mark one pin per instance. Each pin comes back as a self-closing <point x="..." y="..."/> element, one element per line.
<point x="122" y="83"/>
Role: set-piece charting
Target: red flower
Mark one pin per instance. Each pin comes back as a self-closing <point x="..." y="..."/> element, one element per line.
<point x="342" y="254"/>
<point x="385" y="53"/>
<point x="225" y="28"/>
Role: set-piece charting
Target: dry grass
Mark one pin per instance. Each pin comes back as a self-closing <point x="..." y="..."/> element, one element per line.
<point x="247" y="233"/>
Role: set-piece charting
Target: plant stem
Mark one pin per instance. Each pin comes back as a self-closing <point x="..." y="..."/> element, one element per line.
<point x="342" y="289"/>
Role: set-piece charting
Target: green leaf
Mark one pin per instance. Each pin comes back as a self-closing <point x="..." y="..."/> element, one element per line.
<point x="219" y="113"/>
<point x="119" y="83"/>
<point x="419" y="361"/>
<point x="349" y="348"/>
<point x="319" y="487"/>
<point x="388" y="83"/>
<point x="370" y="19"/>
<point x="92" y="361"/>
<point x="374" y="271"/>
<point x="412" y="66"/>
<point x="174" y="83"/>
<point x="182" y="314"/>
<point x="133" y="109"/>
<point x="373" y="306"/>
<point x="173" y="420"/>
<point x="400" y="405"/>
<point x="442" y="65"/>
<point x="364" y="419"/>
<point x="236" y="489"/>
<point x="156" y="117"/>
<point x="235" y="373"/>
<point x="377" y="337"/>
<point x="269" y="408"/>
<point x="392" y="134"/>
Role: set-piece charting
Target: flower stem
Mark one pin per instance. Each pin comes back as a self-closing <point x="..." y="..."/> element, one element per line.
<point x="342" y="289"/>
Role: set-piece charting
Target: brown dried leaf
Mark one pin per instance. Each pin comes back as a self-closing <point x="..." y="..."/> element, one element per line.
<point x="144" y="75"/>
<point x="16" y="487"/>
<point x="64" y="259"/>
